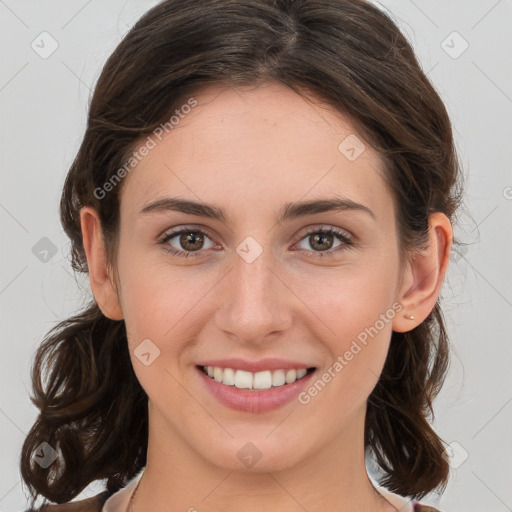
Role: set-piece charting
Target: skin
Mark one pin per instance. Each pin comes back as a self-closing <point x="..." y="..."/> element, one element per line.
<point x="266" y="147"/>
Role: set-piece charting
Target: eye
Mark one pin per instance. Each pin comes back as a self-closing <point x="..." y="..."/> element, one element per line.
<point x="190" y="239"/>
<point x="321" y="240"/>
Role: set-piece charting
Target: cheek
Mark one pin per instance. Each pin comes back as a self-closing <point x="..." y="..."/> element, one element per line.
<point x="153" y="299"/>
<point x="152" y="307"/>
<point x="156" y="339"/>
<point x="356" y="312"/>
<point x="357" y="354"/>
<point x="351" y="300"/>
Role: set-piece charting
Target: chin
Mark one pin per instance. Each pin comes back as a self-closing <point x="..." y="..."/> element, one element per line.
<point x="258" y="456"/>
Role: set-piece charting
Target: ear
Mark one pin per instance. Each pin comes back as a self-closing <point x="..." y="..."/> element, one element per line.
<point x="423" y="278"/>
<point x="102" y="283"/>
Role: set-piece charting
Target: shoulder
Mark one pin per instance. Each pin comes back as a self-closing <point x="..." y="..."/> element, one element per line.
<point x="92" y="504"/>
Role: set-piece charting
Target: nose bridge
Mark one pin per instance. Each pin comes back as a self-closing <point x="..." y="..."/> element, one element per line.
<point x="253" y="279"/>
<point x="254" y="305"/>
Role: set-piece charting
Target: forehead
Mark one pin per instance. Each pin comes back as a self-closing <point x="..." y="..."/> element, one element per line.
<point x="249" y="148"/>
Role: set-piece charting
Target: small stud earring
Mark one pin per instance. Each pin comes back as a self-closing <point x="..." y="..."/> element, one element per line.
<point x="409" y="317"/>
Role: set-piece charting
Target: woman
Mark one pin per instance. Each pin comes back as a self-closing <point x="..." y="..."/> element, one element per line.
<point x="263" y="201"/>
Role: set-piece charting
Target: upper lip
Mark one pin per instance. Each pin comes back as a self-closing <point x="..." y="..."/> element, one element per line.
<point x="256" y="366"/>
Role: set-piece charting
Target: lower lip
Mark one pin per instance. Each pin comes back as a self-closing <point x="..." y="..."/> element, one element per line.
<point x="255" y="401"/>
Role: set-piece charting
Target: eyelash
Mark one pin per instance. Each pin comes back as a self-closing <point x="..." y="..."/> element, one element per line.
<point x="340" y="235"/>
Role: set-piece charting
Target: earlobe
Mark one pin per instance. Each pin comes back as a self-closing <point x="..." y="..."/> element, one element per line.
<point x="423" y="279"/>
<point x="102" y="283"/>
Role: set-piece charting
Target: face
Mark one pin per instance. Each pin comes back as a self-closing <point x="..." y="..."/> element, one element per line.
<point x="266" y="286"/>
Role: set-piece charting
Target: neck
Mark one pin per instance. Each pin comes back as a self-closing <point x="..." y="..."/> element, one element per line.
<point x="334" y="477"/>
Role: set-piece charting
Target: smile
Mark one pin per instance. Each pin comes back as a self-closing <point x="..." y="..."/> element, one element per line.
<point x="254" y="392"/>
<point x="266" y="379"/>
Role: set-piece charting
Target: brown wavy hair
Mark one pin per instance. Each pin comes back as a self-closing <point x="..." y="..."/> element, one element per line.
<point x="349" y="54"/>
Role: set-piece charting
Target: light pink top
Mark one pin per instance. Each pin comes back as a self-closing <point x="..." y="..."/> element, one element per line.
<point x="119" y="500"/>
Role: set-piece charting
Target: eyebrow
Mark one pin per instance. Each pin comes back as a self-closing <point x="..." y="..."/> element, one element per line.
<point x="288" y="211"/>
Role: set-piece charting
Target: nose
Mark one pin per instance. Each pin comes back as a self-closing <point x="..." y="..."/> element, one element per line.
<point x="255" y="301"/>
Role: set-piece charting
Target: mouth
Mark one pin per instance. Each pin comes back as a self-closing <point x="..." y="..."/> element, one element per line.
<point x="254" y="392"/>
<point x="255" y="381"/>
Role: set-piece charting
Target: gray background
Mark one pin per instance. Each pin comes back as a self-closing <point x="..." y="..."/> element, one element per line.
<point x="43" y="108"/>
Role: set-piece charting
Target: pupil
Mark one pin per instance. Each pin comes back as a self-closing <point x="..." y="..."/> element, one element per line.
<point x="320" y="239"/>
<point x="190" y="239"/>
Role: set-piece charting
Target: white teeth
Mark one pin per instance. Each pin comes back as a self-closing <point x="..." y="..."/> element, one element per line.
<point x="259" y="380"/>
<point x="278" y="378"/>
<point x="301" y="373"/>
<point x="291" y="376"/>
<point x="243" y="380"/>
<point x="229" y="377"/>
<point x="217" y="374"/>
<point x="262" y="380"/>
